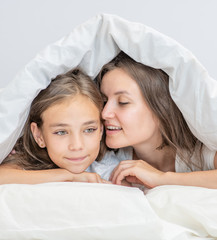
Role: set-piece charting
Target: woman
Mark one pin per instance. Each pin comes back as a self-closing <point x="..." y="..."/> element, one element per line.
<point x="140" y="114"/>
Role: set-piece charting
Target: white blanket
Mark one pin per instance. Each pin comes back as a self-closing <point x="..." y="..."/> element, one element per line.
<point x="81" y="211"/>
<point x="93" y="44"/>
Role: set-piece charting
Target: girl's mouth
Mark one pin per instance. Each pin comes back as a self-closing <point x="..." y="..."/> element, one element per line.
<point x="77" y="159"/>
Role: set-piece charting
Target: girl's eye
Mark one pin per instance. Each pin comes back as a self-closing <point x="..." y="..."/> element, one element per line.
<point x="60" y="133"/>
<point x="90" y="130"/>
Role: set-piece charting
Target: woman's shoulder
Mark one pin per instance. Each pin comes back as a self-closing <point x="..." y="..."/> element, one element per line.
<point x="206" y="164"/>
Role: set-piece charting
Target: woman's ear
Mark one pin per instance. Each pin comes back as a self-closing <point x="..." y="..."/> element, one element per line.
<point x="36" y="132"/>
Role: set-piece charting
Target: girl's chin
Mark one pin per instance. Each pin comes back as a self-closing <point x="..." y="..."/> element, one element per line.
<point x="76" y="170"/>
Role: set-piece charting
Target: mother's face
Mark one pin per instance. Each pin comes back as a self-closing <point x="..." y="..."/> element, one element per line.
<point x="128" y="119"/>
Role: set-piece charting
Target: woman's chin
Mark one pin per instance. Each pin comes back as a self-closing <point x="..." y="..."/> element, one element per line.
<point x="113" y="144"/>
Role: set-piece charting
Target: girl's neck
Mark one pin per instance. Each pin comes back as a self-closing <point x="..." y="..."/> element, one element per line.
<point x="163" y="159"/>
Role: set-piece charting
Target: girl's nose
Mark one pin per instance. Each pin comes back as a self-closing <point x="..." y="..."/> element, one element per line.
<point x="108" y="112"/>
<point x="75" y="144"/>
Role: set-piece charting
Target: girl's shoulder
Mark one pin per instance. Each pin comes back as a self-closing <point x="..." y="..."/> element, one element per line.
<point x="125" y="153"/>
<point x="116" y="156"/>
<point x="110" y="160"/>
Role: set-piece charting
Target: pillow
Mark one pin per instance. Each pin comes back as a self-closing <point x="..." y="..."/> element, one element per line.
<point x="65" y="211"/>
<point x="83" y="211"/>
<point x="93" y="44"/>
<point x="193" y="208"/>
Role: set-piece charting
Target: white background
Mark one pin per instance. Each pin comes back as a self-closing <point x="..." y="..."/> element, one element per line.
<point x="28" y="26"/>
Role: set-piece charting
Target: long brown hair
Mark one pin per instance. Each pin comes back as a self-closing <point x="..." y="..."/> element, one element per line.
<point x="154" y="85"/>
<point x="28" y="154"/>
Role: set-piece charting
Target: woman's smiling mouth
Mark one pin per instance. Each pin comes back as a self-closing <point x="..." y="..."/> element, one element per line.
<point x="111" y="130"/>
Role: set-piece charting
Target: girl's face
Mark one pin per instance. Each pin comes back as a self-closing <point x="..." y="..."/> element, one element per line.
<point x="71" y="132"/>
<point x="128" y="119"/>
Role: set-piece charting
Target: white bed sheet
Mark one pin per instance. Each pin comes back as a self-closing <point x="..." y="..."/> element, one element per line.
<point x="81" y="211"/>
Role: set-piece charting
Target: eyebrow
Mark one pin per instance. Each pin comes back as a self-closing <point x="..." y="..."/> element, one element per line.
<point x="121" y="92"/>
<point x="117" y="93"/>
<point x="91" y="122"/>
<point x="67" y="125"/>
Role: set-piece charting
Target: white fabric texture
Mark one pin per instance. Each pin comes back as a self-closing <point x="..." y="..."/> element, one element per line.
<point x="93" y="44"/>
<point x="54" y="211"/>
<point x="75" y="211"/>
<point x="193" y="208"/>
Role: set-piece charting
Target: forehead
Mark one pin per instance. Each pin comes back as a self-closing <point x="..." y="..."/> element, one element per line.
<point x="119" y="81"/>
<point x="78" y="108"/>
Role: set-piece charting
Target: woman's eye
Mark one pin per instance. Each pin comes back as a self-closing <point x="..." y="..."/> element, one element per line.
<point x="60" y="133"/>
<point x="90" y="130"/>
<point x="123" y="103"/>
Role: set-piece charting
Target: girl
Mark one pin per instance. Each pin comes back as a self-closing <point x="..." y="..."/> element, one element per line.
<point x="143" y="122"/>
<point x="61" y="136"/>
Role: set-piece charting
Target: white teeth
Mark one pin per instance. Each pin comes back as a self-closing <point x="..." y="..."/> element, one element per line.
<point x="113" y="128"/>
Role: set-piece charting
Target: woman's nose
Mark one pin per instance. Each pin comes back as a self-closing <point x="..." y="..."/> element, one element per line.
<point x="108" y="111"/>
<point x="75" y="143"/>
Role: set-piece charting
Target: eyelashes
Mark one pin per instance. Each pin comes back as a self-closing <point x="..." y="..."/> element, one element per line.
<point x="90" y="130"/>
<point x="60" y="133"/>
<point x="87" y="130"/>
<point x="123" y="103"/>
